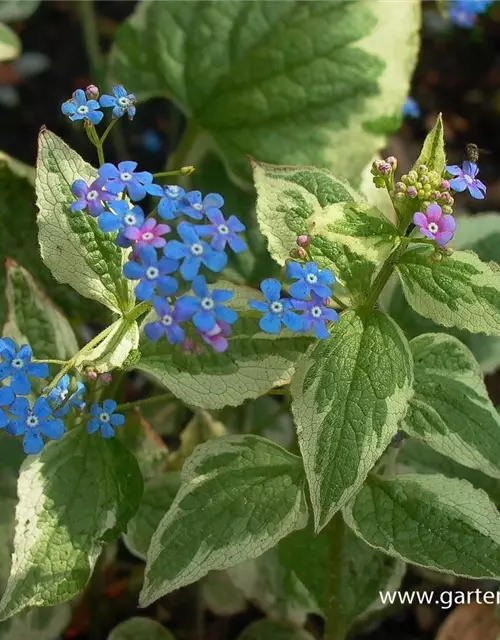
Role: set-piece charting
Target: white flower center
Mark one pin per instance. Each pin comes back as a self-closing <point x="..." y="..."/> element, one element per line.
<point x="147" y="236"/>
<point x="17" y="363"/>
<point x="32" y="421"/>
<point x="432" y="227"/>
<point x="198" y="206"/>
<point x="311" y="278"/>
<point x="82" y="110"/>
<point x="167" y="320"/>
<point x="62" y="395"/>
<point x="123" y="102"/>
<point x="196" y="249"/>
<point x="92" y="195"/>
<point x="276" y="307"/>
<point x="208" y="304"/>
<point x="223" y="229"/>
<point x="126" y="176"/>
<point x="152" y="273"/>
<point x="173" y="191"/>
<point x="316" y="312"/>
<point x="104" y="417"/>
<point x="129" y="219"/>
<point x="468" y="179"/>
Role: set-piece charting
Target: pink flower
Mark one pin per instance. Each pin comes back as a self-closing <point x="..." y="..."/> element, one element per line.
<point x="434" y="225"/>
<point x="148" y="235"/>
<point x="217" y="337"/>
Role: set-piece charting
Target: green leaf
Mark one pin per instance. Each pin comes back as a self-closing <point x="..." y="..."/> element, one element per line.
<point x="46" y="623"/>
<point x="61" y="526"/>
<point x="114" y="349"/>
<point x="458" y="291"/>
<point x="364" y="572"/>
<point x="436" y="522"/>
<point x="349" y="394"/>
<point x="239" y="496"/>
<point x="479" y="233"/>
<point x="347" y="235"/>
<point x="35" y="319"/>
<point x="433" y="154"/>
<point x="261" y="78"/>
<point x="273" y="630"/>
<point x="73" y="247"/>
<point x="451" y="410"/>
<point x="254" y="362"/>
<point x="140" y="629"/>
<point x="10" y="45"/>
<point x="158" y="496"/>
<point x="13" y="10"/>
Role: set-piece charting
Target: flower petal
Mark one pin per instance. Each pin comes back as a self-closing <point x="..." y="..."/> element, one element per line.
<point x="204" y="320"/>
<point x="433" y="212"/>
<point x="292" y="321"/>
<point x="271" y="289"/>
<point x="32" y="442"/>
<point x="176" y="250"/>
<point x="53" y="429"/>
<point x="93" y="425"/>
<point x="420" y="219"/>
<point x="20" y="384"/>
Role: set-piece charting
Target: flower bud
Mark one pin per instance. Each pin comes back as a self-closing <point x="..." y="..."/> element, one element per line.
<point x="444" y="185"/>
<point x="392" y="161"/>
<point x="435" y="195"/>
<point x="447" y="209"/>
<point x="384" y="168"/>
<point x="92" y="92"/>
<point x="303" y="241"/>
<point x="91" y="375"/>
<point x="400" y="187"/>
<point x="421" y="194"/>
<point x="298" y="253"/>
<point x="424" y="179"/>
<point x="106" y="378"/>
<point x="411" y="192"/>
<point x="422" y="169"/>
<point x="399" y="196"/>
<point x="434" y="177"/>
<point x="187" y="171"/>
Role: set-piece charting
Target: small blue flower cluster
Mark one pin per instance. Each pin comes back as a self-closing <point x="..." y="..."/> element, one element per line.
<point x="84" y="105"/>
<point x="464" y="13"/>
<point x="309" y="295"/>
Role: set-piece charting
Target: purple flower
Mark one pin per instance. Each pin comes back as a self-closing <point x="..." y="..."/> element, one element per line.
<point x="105" y="418"/>
<point x="434" y="225"/>
<point x="17" y="366"/>
<point x="169" y="205"/>
<point x="193" y="252"/>
<point x="137" y="183"/>
<point x="34" y="422"/>
<point x="223" y="232"/>
<point x="411" y="108"/>
<point x="6" y="399"/>
<point x="207" y="307"/>
<point x="121" y="101"/>
<point x="149" y="234"/>
<point x="217" y="337"/>
<point x="466" y="179"/>
<point x="152" y="274"/>
<point x="309" y="278"/>
<point x="90" y="197"/>
<point x="79" y="108"/>
<point x="120" y="216"/>
<point x="315" y="315"/>
<point x="168" y="323"/>
<point x="276" y="310"/>
<point x="195" y="206"/>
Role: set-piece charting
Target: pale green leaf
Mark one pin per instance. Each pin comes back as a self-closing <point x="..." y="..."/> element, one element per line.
<point x="433" y="154"/>
<point x="73" y="247"/>
<point x="10" y="45"/>
<point x="76" y="495"/>
<point x="451" y="410"/>
<point x="457" y="291"/>
<point x="436" y="522"/>
<point x="140" y="629"/>
<point x="239" y="496"/>
<point x="319" y="83"/>
<point x="114" y="349"/>
<point x="46" y="623"/>
<point x="159" y="493"/>
<point x="273" y="630"/>
<point x="479" y="233"/>
<point x="32" y="316"/>
<point x="349" y="394"/>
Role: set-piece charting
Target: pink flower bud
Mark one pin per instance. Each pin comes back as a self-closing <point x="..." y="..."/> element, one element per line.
<point x="92" y="92"/>
<point x="91" y="375"/>
<point x="303" y="241"/>
<point x="411" y="192"/>
<point x="392" y="161"/>
<point x="106" y="378"/>
<point x="445" y="185"/>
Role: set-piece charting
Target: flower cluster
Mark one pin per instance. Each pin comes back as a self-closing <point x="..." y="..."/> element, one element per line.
<point x="425" y="185"/>
<point x="84" y="105"/>
<point x="307" y="307"/>
<point x="464" y="13"/>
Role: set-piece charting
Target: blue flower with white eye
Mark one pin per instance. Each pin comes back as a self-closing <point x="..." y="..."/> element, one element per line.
<point x="120" y="216"/>
<point x="315" y="315"/>
<point x="59" y="393"/>
<point x="196" y="206"/>
<point x="309" y="278"/>
<point x="33" y="422"/>
<point x="193" y="252"/>
<point x="79" y="108"/>
<point x="121" y="101"/>
<point x="169" y="205"/>
<point x="208" y="306"/>
<point x="152" y="273"/>
<point x="276" y="310"/>
<point x="17" y="366"/>
<point x="223" y="231"/>
<point x="126" y="178"/>
<point x="105" y="419"/>
<point x="168" y="323"/>
<point x="465" y="178"/>
<point x="7" y="397"/>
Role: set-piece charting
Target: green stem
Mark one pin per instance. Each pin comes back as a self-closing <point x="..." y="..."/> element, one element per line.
<point x="142" y="403"/>
<point x="139" y="310"/>
<point x="59" y="362"/>
<point x="418" y="241"/>
<point x="335" y="626"/>
<point x="178" y="157"/>
<point x="383" y="276"/>
<point x="183" y="171"/>
<point x="107" y="130"/>
<point x="339" y="302"/>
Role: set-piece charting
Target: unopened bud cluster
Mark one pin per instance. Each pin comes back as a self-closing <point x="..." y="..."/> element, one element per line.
<point x="383" y="171"/>
<point x="425" y="185"/>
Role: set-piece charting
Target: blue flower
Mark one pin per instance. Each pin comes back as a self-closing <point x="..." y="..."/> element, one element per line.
<point x="169" y="205"/>
<point x="223" y="232"/>
<point x="309" y="278"/>
<point x="276" y="310"/>
<point x="121" y="101"/>
<point x="208" y="306"/>
<point x="315" y="315"/>
<point x="90" y="197"/>
<point x="120" y="216"/>
<point x="466" y="179"/>
<point x="463" y="13"/>
<point x="195" y="206"/>
<point x="59" y="394"/>
<point x="33" y="423"/>
<point x="193" y="253"/>
<point x="411" y="108"/>
<point x="6" y="399"/>
<point x="79" y="108"/>
<point x="137" y="183"/>
<point x="105" y="419"/>
<point x="18" y="366"/>
<point x="168" y="323"/>
<point x="152" y="274"/>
